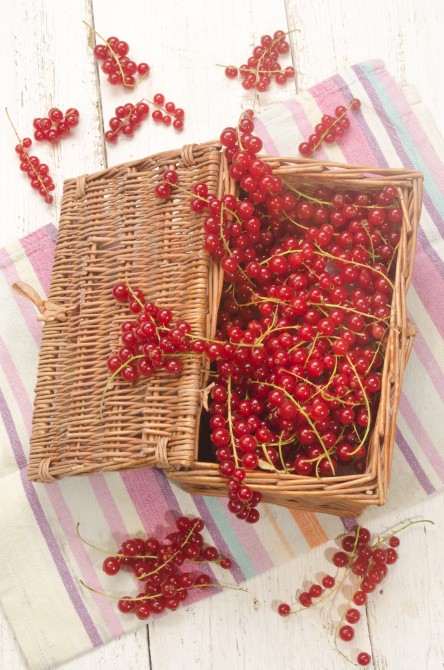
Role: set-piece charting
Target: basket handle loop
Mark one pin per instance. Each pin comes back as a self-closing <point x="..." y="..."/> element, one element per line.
<point x="80" y="187"/>
<point x="161" y="455"/>
<point x="49" y="311"/>
<point x="187" y="155"/>
<point x="44" y="474"/>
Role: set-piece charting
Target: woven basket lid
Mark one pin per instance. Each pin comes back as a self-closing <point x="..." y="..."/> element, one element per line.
<point x="113" y="228"/>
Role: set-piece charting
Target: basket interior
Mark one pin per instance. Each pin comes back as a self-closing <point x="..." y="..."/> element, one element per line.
<point x="370" y="486"/>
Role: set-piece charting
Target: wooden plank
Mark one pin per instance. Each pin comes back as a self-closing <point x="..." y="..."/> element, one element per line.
<point x="406" y="613"/>
<point x="243" y="630"/>
<point x="405" y="34"/>
<point x="130" y="650"/>
<point x="182" y="42"/>
<point x="44" y="65"/>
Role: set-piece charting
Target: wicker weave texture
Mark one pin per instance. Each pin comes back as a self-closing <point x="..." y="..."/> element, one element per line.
<point x="113" y="227"/>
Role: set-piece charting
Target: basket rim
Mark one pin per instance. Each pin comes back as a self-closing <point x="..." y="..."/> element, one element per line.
<point x="316" y="164"/>
<point x="122" y="168"/>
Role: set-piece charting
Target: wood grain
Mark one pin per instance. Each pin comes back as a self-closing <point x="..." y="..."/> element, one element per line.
<point x="128" y="651"/>
<point x="45" y="64"/>
<point x="182" y="42"/>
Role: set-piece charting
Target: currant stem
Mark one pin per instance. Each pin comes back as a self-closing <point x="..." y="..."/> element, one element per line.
<point x="25" y="153"/>
<point x="386" y="538"/>
<point x="157" y="595"/>
<point x="230" y="423"/>
<point x="248" y="69"/>
<point x="362" y="265"/>
<point x="237" y="344"/>
<point x="327" y="202"/>
<point x="304" y="414"/>
<point x="105" y="551"/>
<point x="133" y="295"/>
<point x="280" y="454"/>
<point x="111" y="379"/>
<point x="338" y="584"/>
<point x="352" y="556"/>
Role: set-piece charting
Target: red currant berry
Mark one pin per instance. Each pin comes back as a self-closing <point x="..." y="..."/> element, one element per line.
<point x="305" y="148"/>
<point x="391" y="556"/>
<point x="120" y="292"/>
<point x="142" y="610"/>
<point x="252" y="516"/>
<point x="162" y="191"/>
<point x="328" y="582"/>
<point x="284" y="609"/>
<point x="225" y="563"/>
<point x="360" y="598"/>
<point x="129" y="374"/>
<point x="114" y="363"/>
<point x="126" y="605"/>
<point x="143" y="69"/>
<point x="305" y="599"/>
<point x="159" y="99"/>
<point x="315" y="591"/>
<point x="352" y="615"/>
<point x="348" y="543"/>
<point x="346" y="633"/>
<point x="111" y="565"/>
<point x="340" y="559"/>
<point x="363" y="659"/>
<point x="364" y="536"/>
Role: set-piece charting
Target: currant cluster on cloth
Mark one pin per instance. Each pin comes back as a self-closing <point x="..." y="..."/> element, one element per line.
<point x="329" y="129"/>
<point x="304" y="314"/>
<point x="156" y="565"/>
<point x="263" y="66"/>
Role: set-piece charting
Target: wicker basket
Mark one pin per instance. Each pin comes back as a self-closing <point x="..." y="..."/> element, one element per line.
<point x="343" y="495"/>
<point x="113" y="227"/>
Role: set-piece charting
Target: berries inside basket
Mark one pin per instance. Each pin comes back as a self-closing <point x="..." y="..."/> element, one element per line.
<point x="299" y="311"/>
<point x="313" y="414"/>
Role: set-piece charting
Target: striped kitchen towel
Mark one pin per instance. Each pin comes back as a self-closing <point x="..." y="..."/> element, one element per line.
<point x="41" y="557"/>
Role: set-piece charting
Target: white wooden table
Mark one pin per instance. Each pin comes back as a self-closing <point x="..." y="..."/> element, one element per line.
<point x="47" y="61"/>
